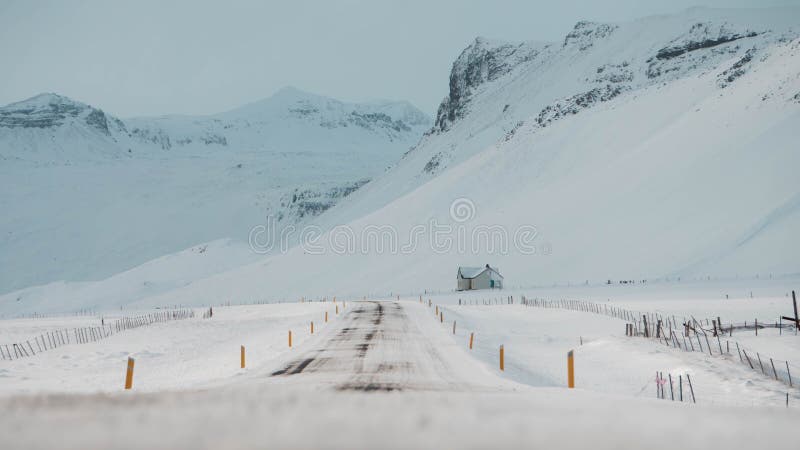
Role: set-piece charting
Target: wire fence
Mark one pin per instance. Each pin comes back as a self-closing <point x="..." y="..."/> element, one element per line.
<point x="84" y="335"/>
<point x="691" y="335"/>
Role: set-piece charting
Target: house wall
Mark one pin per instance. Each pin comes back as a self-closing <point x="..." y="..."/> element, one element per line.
<point x="482" y="281"/>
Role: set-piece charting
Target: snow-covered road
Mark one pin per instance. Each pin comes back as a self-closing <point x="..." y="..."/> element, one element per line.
<point x="382" y="346"/>
<point x="384" y="375"/>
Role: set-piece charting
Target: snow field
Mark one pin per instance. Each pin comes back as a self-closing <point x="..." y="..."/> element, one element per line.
<point x="477" y="409"/>
<point x="180" y="354"/>
<point x="536" y="342"/>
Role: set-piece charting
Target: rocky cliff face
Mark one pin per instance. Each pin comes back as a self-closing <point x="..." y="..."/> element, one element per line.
<point x="483" y="61"/>
<point x="666" y="55"/>
<point x="584" y="35"/>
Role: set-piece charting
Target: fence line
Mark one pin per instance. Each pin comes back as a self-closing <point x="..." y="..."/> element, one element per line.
<point x="691" y="336"/>
<point x="84" y="335"/>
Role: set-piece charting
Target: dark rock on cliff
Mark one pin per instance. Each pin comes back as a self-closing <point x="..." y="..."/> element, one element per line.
<point x="483" y="61"/>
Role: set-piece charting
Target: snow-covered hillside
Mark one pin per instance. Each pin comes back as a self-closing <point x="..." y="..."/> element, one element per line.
<point x="86" y="195"/>
<point x="496" y="86"/>
<point x="660" y="147"/>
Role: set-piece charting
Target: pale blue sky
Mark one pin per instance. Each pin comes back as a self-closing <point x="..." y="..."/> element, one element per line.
<point x="144" y="57"/>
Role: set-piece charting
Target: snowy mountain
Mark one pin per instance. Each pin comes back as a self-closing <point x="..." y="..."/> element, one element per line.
<point x="53" y="129"/>
<point x="87" y="195"/>
<point x="46" y="128"/>
<point x="494" y="86"/>
<point x="662" y="147"/>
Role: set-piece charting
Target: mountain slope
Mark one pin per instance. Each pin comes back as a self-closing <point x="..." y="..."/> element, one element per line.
<point x="549" y="81"/>
<point x="664" y="167"/>
<point x="86" y="195"/>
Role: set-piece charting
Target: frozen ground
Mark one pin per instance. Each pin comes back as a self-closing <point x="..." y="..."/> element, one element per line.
<point x="385" y="375"/>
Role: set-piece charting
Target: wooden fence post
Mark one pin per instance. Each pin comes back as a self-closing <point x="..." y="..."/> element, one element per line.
<point x="290" y="338"/>
<point x="312" y="327"/>
<point x="454" y="327"/>
<point x="242" y="356"/>
<point x="671" y="392"/>
<point x="502" y="359"/>
<point x="471" y="338"/>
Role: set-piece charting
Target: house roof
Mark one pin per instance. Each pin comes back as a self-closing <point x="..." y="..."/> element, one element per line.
<point x="472" y="272"/>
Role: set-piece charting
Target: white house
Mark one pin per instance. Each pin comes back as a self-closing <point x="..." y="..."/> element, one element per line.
<point x="470" y="278"/>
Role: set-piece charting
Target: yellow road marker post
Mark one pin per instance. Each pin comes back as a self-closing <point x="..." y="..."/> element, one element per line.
<point x="570" y="370"/>
<point x="129" y="374"/>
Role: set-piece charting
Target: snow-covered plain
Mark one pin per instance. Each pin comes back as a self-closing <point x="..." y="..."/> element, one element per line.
<point x="183" y="354"/>
<point x="191" y="352"/>
<point x="536" y="342"/>
<point x="390" y="375"/>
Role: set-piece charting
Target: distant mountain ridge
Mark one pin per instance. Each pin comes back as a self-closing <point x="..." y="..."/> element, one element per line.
<point x="49" y="110"/>
<point x="291" y="119"/>
<point x="87" y="194"/>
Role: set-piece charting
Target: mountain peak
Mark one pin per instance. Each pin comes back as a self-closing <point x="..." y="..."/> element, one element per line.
<point x="291" y="92"/>
<point x="484" y="60"/>
<point x="292" y="103"/>
<point x="43" y="100"/>
<point x="49" y="110"/>
<point x="585" y="33"/>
